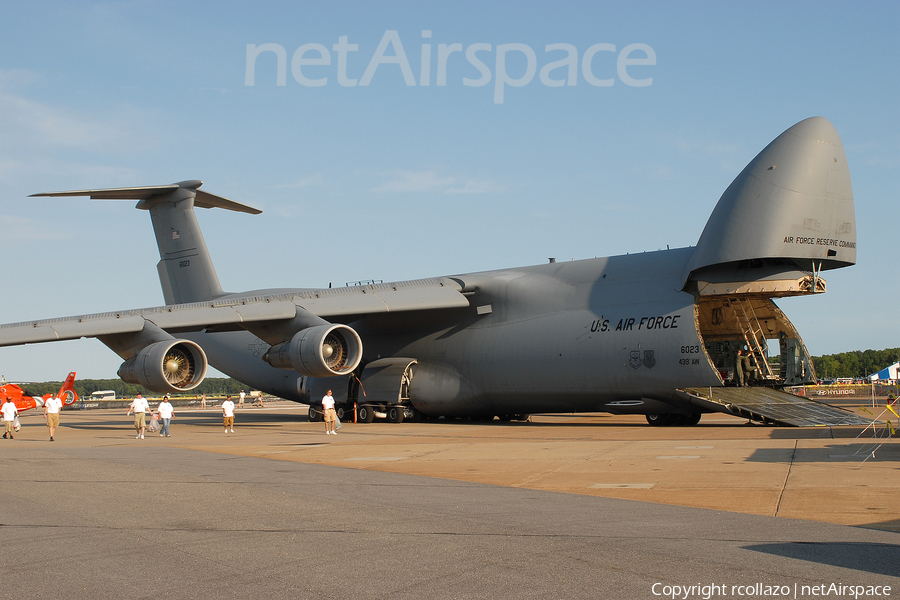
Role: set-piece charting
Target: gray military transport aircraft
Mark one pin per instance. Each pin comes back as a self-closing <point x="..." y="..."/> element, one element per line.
<point x="670" y="334"/>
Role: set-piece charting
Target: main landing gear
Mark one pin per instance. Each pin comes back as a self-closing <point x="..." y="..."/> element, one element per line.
<point x="670" y="419"/>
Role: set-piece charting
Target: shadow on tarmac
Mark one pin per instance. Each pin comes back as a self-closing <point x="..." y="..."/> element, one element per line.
<point x="837" y="453"/>
<point x="870" y="557"/>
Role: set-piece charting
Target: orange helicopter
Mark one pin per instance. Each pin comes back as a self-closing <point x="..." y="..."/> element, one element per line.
<point x="25" y="400"/>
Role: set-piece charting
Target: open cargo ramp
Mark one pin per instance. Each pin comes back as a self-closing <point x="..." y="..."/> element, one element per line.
<point x="772" y="406"/>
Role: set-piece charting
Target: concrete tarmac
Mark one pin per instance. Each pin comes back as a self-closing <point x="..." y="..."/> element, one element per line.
<point x="565" y="507"/>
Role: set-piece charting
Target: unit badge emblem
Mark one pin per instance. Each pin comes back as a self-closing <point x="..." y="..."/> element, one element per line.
<point x="635" y="361"/>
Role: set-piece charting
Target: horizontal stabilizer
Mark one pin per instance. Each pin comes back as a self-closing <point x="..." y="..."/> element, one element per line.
<point x="201" y="199"/>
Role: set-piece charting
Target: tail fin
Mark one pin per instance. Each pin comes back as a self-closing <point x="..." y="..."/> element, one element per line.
<point x="67" y="392"/>
<point x="793" y="203"/>
<point x="185" y="269"/>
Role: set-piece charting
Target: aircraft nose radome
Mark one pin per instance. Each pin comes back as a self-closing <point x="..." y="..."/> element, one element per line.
<point x="794" y="200"/>
<point x="808" y="159"/>
<point x="817" y="129"/>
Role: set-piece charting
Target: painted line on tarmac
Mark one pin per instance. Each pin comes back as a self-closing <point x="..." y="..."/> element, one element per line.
<point x="616" y="486"/>
<point x="677" y="457"/>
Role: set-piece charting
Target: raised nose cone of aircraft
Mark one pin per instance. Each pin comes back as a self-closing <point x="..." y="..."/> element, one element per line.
<point x="816" y="129"/>
<point x="808" y="159"/>
<point x="794" y="201"/>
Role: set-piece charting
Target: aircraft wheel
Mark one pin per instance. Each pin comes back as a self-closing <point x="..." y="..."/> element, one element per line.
<point x="395" y="414"/>
<point x="505" y="418"/>
<point x="314" y="415"/>
<point x="658" y="420"/>
<point x="341" y="412"/>
<point x="691" y="419"/>
<point x="366" y="414"/>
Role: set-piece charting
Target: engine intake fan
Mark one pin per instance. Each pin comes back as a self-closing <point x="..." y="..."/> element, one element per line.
<point x="166" y="367"/>
<point x="321" y="351"/>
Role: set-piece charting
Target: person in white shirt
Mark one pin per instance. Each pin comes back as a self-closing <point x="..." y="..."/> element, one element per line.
<point x="140" y="408"/>
<point x="228" y="414"/>
<point x="10" y="412"/>
<point x="166" y="414"/>
<point x="51" y="412"/>
<point x="241" y="399"/>
<point x="330" y="414"/>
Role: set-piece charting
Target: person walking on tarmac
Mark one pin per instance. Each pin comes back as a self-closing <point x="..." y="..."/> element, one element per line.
<point x="10" y="412"/>
<point x="51" y="413"/>
<point x="166" y="414"/>
<point x="141" y="407"/>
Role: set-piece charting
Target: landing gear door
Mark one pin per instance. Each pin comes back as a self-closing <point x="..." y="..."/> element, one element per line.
<point x="386" y="381"/>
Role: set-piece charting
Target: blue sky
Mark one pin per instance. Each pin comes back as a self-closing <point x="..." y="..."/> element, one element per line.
<point x="393" y="181"/>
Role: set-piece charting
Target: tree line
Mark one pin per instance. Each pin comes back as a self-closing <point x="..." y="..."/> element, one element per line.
<point x="856" y="364"/>
<point x="211" y="386"/>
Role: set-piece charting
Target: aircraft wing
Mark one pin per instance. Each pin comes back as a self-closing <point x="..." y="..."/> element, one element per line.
<point x="422" y="294"/>
<point x="429" y="294"/>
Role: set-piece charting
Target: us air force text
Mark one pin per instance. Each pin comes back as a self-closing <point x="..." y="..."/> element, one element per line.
<point x="645" y="323"/>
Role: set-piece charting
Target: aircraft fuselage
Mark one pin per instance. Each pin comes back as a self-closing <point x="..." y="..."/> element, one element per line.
<point x="575" y="336"/>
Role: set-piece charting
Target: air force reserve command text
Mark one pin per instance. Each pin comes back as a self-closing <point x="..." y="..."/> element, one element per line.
<point x="765" y="590"/>
<point x="600" y="64"/>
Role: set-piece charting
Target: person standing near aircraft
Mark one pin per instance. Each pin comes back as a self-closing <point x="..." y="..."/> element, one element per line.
<point x="10" y="412"/>
<point x="228" y="414"/>
<point x="52" y="406"/>
<point x="140" y="407"/>
<point x="738" y="377"/>
<point x="203" y="400"/>
<point x="166" y="413"/>
<point x="749" y="368"/>
<point x="241" y="399"/>
<point x="330" y="414"/>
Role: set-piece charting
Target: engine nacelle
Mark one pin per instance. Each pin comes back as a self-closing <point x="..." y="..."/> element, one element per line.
<point x="166" y="367"/>
<point x="321" y="351"/>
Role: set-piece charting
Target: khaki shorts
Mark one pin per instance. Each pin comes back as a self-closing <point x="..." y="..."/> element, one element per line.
<point x="52" y="419"/>
<point x="330" y="415"/>
<point x="139" y="420"/>
<point x="229" y="421"/>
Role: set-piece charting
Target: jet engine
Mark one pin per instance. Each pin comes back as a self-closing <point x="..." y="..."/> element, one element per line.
<point x="166" y="367"/>
<point x="320" y="351"/>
